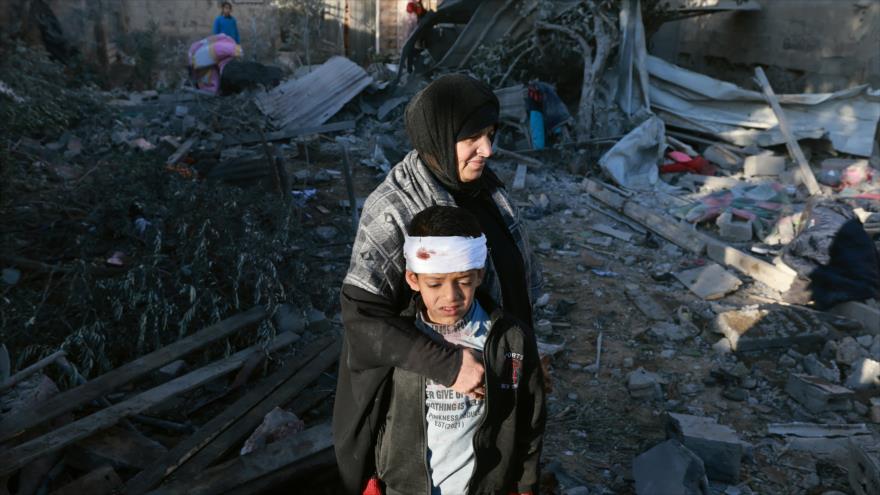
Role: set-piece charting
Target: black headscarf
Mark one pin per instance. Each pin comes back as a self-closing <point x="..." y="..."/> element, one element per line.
<point x="451" y="108"/>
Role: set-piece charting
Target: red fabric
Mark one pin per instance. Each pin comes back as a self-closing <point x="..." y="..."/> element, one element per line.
<point x="373" y="487"/>
<point x="415" y="8"/>
<point x="697" y="165"/>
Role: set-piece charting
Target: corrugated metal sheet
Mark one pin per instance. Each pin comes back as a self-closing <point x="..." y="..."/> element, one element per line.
<point x="312" y="99"/>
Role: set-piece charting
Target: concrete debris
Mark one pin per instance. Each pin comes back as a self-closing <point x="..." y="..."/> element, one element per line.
<point x="709" y="282"/>
<point x="818" y="395"/>
<point x="849" y="351"/>
<point x="277" y="425"/>
<point x="864" y="374"/>
<point x="670" y="468"/>
<point x="717" y="445"/>
<point x="863" y="466"/>
<point x="732" y="229"/>
<point x="813" y="366"/>
<point x="289" y="318"/>
<point x="753" y="329"/>
<point x="765" y="164"/>
<point x="644" y="384"/>
<point x="669" y="331"/>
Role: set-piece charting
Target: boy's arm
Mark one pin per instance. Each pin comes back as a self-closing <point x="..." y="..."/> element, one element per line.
<point x="531" y="417"/>
<point x="378" y="337"/>
<point x="235" y="32"/>
<point x="216" y="29"/>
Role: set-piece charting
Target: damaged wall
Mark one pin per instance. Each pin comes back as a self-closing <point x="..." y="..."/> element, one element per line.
<point x="807" y="46"/>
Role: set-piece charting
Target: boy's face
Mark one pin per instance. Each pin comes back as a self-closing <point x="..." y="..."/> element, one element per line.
<point x="227" y="10"/>
<point x="447" y="296"/>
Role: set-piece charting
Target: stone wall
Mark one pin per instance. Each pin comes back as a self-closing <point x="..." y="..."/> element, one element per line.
<point x="806" y="45"/>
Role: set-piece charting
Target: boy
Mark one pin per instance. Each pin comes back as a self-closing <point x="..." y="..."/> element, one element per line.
<point x="225" y="23"/>
<point x="435" y="440"/>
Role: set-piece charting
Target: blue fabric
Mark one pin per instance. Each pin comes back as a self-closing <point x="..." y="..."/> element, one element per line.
<point x="227" y="26"/>
<point x="536" y="125"/>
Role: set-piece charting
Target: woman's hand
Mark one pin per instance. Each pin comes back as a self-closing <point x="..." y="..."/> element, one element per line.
<point x="470" y="376"/>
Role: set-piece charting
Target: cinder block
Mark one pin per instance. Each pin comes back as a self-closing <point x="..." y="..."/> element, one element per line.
<point x="732" y="229"/>
<point x="765" y="164"/>
<point x="819" y="395"/>
<point x="717" y="445"/>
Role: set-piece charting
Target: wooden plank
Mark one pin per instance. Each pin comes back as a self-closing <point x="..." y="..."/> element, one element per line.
<point x="758" y="269"/>
<point x="238" y="432"/>
<point x="519" y="180"/>
<point x="181" y="150"/>
<point x="242" y="469"/>
<point x="324" y="459"/>
<point x="185" y="450"/>
<point x="14" y="458"/>
<point x="611" y="231"/>
<point x="30" y="370"/>
<point x="790" y="142"/>
<point x="681" y="235"/>
<point x="289" y="133"/>
<point x="868" y="316"/>
<point x="76" y="397"/>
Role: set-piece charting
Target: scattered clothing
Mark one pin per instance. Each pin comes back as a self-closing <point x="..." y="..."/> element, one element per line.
<point x="835" y="254"/>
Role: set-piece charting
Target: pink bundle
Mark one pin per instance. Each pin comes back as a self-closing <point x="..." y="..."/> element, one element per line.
<point x="208" y="56"/>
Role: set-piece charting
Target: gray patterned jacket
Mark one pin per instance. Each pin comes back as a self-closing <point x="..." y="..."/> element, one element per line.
<point x="377" y="262"/>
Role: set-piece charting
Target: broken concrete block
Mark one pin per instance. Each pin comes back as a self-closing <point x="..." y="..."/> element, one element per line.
<point x="733" y="229"/>
<point x="814" y="367"/>
<point x="278" y="424"/>
<point x="717" y="445"/>
<point x="709" y="282"/>
<point x="647" y="304"/>
<point x="818" y="395"/>
<point x="288" y="318"/>
<point x="874" y="412"/>
<point x="644" y="384"/>
<point x="670" y="468"/>
<point x="722" y="157"/>
<point x="827" y="441"/>
<point x="849" y="351"/>
<point x="763" y="165"/>
<point x="865" y="374"/>
<point x="669" y="331"/>
<point x="864" y="470"/>
<point x="752" y="329"/>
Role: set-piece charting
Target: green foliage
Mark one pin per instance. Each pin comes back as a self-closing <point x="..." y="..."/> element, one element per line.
<point x="210" y="252"/>
<point x="50" y="103"/>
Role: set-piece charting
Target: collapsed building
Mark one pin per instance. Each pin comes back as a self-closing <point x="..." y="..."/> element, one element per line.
<point x="701" y="181"/>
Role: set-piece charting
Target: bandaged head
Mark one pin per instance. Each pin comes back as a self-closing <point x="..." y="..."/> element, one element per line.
<point x="437" y="254"/>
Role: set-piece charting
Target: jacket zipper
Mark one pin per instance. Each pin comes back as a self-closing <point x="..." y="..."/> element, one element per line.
<point x="428" y="482"/>
<point x="485" y="415"/>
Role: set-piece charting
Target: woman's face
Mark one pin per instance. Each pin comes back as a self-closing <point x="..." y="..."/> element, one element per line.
<point x="471" y="154"/>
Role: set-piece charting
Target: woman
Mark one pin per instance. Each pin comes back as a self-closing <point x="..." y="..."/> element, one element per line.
<point x="450" y="124"/>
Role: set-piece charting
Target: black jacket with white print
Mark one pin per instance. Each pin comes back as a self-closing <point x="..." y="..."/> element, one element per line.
<point x="507" y="444"/>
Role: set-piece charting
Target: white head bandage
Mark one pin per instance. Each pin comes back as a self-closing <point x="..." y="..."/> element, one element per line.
<point x="444" y="254"/>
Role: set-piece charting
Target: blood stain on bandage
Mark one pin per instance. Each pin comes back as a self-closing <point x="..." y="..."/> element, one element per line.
<point x="423" y="254"/>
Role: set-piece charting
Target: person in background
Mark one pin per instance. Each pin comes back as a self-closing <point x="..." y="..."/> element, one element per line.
<point x="225" y="23"/>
